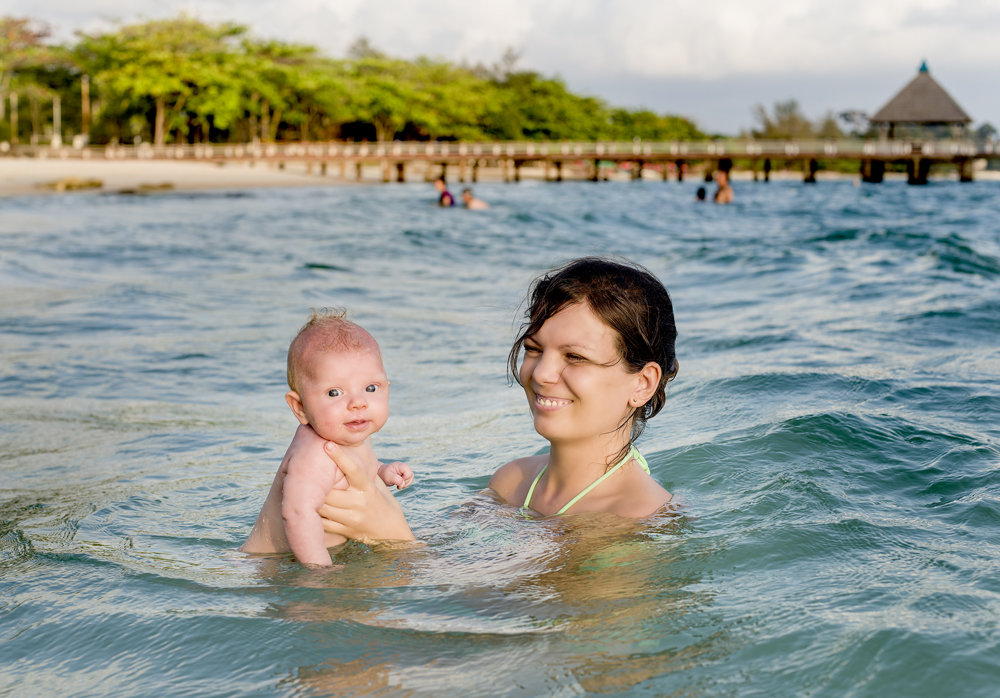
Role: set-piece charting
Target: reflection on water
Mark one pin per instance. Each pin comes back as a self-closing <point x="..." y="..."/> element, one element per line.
<point x="598" y="603"/>
<point x="833" y="432"/>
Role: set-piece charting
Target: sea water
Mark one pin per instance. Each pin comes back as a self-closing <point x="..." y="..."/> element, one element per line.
<point x="833" y="436"/>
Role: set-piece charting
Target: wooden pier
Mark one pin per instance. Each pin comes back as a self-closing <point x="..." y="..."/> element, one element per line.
<point x="466" y="159"/>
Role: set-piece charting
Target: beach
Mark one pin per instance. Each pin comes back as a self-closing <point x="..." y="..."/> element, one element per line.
<point x="21" y="176"/>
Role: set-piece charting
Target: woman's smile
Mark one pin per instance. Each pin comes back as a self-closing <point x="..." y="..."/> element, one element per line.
<point x="547" y="404"/>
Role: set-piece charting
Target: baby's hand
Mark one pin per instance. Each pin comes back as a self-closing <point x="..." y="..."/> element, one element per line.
<point x="398" y="474"/>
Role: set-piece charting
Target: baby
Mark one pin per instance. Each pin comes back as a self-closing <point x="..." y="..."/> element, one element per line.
<point x="339" y="391"/>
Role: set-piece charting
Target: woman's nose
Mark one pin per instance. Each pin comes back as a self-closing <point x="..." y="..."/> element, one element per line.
<point x="547" y="369"/>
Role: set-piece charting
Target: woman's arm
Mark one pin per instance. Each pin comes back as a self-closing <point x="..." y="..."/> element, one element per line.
<point x="366" y="511"/>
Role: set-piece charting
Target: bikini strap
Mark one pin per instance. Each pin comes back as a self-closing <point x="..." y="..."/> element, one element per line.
<point x="633" y="453"/>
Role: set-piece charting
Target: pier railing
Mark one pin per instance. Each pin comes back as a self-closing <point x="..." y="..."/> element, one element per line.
<point x="527" y="150"/>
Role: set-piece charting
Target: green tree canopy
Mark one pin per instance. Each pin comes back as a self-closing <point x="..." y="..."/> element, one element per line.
<point x="185" y="80"/>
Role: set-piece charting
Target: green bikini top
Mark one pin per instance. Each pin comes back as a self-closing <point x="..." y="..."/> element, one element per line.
<point x="632" y="453"/>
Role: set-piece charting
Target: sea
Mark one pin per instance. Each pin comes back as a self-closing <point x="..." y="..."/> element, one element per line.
<point x="832" y="442"/>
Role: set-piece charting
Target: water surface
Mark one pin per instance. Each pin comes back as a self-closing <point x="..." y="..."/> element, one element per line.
<point x="833" y="431"/>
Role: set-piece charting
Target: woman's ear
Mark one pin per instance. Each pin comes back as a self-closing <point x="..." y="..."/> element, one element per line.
<point x="646" y="382"/>
<point x="295" y="402"/>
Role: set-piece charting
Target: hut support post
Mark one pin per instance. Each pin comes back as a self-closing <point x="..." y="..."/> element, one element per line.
<point x="872" y="171"/>
<point x="917" y="170"/>
<point x="966" y="170"/>
<point x="811" y="168"/>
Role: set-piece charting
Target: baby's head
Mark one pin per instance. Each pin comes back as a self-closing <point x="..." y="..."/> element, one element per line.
<point x="337" y="383"/>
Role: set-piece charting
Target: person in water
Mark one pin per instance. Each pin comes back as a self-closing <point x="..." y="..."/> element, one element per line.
<point x="445" y="198"/>
<point x="471" y="202"/>
<point x="724" y="190"/>
<point x="598" y="351"/>
<point x="339" y="392"/>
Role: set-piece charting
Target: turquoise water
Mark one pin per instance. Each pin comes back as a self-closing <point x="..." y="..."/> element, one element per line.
<point x="833" y="432"/>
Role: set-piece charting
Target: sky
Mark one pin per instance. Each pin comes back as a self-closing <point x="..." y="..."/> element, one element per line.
<point x="712" y="62"/>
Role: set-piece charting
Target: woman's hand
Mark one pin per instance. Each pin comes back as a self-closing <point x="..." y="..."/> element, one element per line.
<point x="366" y="511"/>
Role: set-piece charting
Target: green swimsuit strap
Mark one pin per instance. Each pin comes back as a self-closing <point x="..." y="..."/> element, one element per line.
<point x="633" y="453"/>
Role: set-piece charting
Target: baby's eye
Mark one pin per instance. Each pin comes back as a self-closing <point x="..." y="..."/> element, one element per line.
<point x="371" y="388"/>
<point x="335" y="393"/>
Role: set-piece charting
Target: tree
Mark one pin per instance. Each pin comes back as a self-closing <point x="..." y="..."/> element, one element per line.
<point x="165" y="63"/>
<point x="787" y="122"/>
<point x="22" y="48"/>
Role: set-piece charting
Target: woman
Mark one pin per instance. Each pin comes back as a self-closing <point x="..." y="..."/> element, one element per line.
<point x="598" y="351"/>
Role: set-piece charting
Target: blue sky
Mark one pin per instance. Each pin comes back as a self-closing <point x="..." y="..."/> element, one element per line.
<point x="710" y="61"/>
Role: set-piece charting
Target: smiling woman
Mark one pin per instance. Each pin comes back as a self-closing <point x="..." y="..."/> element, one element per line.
<point x="598" y="350"/>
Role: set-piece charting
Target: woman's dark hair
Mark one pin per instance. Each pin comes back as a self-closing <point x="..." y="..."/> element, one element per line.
<point x="629" y="300"/>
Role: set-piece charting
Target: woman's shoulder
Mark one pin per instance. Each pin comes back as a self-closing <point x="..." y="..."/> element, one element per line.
<point x="511" y="480"/>
<point x="639" y="498"/>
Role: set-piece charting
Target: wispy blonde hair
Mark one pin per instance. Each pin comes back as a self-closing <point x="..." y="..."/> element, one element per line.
<point x="328" y="330"/>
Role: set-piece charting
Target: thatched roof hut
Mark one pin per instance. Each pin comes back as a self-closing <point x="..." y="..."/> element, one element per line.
<point x="922" y="102"/>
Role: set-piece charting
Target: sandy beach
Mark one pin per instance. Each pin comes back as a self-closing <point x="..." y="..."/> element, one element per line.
<point x="23" y="176"/>
<point x="20" y="176"/>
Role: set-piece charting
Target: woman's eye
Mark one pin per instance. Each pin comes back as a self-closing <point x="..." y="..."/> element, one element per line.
<point x="371" y="388"/>
<point x="335" y="393"/>
<point x="531" y="350"/>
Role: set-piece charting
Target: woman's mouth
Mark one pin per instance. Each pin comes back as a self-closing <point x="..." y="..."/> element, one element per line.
<point x="545" y="403"/>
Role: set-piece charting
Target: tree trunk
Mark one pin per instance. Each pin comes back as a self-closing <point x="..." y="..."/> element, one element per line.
<point x="159" y="137"/>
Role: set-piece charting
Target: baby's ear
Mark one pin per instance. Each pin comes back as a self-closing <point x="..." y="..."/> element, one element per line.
<point x="295" y="402"/>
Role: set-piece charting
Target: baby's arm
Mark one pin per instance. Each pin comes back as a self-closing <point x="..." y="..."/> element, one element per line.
<point x="308" y="478"/>
<point x="398" y="474"/>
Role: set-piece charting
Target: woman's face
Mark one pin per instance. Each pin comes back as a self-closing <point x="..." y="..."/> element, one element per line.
<point x="575" y="381"/>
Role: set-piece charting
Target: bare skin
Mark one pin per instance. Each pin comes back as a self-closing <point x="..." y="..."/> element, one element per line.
<point x="365" y="511"/>
<point x="724" y="194"/>
<point x="580" y="393"/>
<point x="342" y="396"/>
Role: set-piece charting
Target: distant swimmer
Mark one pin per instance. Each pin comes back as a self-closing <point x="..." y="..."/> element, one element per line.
<point x="700" y="194"/>
<point x="472" y="202"/>
<point x="724" y="193"/>
<point x="445" y="199"/>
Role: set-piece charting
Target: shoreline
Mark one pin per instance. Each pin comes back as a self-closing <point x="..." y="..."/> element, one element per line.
<point x="22" y="176"/>
<point x="25" y="176"/>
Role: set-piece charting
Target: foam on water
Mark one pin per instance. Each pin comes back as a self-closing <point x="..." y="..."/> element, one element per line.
<point x="832" y="434"/>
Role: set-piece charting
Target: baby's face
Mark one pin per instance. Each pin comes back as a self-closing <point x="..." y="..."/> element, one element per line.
<point x="345" y="395"/>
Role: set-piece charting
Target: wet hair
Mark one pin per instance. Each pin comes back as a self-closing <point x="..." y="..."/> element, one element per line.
<point x="328" y="330"/>
<point x="629" y="300"/>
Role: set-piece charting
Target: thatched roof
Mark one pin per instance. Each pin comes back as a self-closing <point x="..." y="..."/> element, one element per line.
<point x="921" y="101"/>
